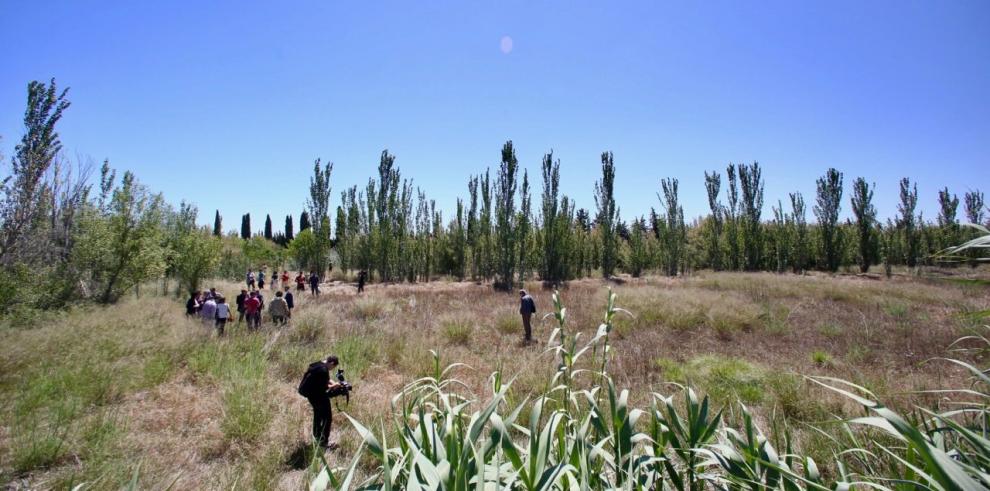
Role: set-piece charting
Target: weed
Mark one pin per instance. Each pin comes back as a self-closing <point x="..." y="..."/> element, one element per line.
<point x="821" y="358"/>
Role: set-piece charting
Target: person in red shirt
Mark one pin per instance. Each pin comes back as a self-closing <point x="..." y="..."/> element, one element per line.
<point x="252" y="308"/>
<point x="300" y="282"/>
<point x="285" y="278"/>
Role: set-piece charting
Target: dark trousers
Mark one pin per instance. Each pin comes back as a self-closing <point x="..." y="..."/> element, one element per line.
<point x="220" y="325"/>
<point x="526" y="325"/>
<point x="322" y="419"/>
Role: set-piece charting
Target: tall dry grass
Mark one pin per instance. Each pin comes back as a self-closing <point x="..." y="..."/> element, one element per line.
<point x="91" y="394"/>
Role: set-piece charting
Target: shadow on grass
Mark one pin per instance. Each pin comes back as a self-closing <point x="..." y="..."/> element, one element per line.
<point x="302" y="456"/>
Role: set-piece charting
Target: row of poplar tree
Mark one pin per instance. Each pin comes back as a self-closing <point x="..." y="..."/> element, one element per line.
<point x="397" y="234"/>
<point x="66" y="237"/>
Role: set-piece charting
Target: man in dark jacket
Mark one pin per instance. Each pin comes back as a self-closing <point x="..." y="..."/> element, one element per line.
<point x="527" y="307"/>
<point x="314" y="283"/>
<point x="240" y="304"/>
<point x="289" y="299"/>
<point x="315" y="385"/>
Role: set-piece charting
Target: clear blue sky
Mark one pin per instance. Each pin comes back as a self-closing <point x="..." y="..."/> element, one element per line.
<point x="227" y="105"/>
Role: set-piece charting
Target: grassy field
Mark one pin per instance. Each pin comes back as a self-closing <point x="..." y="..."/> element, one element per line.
<point x="101" y="395"/>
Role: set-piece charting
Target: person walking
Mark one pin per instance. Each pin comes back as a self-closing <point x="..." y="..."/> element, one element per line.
<point x="285" y="278"/>
<point x="193" y="305"/>
<point x="279" y="310"/>
<point x="223" y="314"/>
<point x="362" y="277"/>
<point x="301" y="282"/>
<point x="527" y="307"/>
<point x="209" y="311"/>
<point x="240" y="304"/>
<point x="250" y="279"/>
<point x="289" y="299"/>
<point x="314" y="283"/>
<point x="252" y="308"/>
<point x="261" y="279"/>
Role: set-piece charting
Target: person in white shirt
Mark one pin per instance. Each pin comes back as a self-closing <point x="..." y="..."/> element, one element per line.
<point x="223" y="314"/>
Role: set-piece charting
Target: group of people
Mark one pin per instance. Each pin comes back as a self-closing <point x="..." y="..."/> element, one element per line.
<point x="212" y="307"/>
<point x="257" y="281"/>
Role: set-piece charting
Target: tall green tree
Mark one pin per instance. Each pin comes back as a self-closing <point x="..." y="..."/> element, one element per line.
<point x="732" y="213"/>
<point x="751" y="185"/>
<point x="505" y="217"/>
<point x="675" y="233"/>
<point x="268" y="227"/>
<point x="318" y="205"/>
<point x="553" y="268"/>
<point x="458" y="243"/>
<point x="713" y="184"/>
<point x="121" y="246"/>
<point x="25" y="193"/>
<point x="217" y="225"/>
<point x="524" y="228"/>
<point x="289" y="233"/>
<point x="304" y="223"/>
<point x="866" y="223"/>
<point x="974" y="207"/>
<point x="801" y="248"/>
<point x="827" y="207"/>
<point x="608" y="215"/>
<point x="246" y="226"/>
<point x="948" y="205"/>
<point x="907" y="222"/>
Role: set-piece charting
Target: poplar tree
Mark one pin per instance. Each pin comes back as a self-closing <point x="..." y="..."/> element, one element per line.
<point x="732" y="219"/>
<point x="827" y="208"/>
<point x="947" y="221"/>
<point x="458" y="243"/>
<point x="523" y="227"/>
<point x="505" y="211"/>
<point x="866" y="222"/>
<point x="608" y="215"/>
<point x="751" y="185"/>
<point x="799" y="255"/>
<point x="553" y="264"/>
<point x="713" y="183"/>
<point x="974" y="207"/>
<point x="907" y="222"/>
<point x="674" y="233"/>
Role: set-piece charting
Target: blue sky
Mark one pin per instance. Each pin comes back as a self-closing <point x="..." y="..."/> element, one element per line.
<point x="227" y="104"/>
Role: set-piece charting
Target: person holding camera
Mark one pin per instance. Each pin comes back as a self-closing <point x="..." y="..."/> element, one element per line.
<point x="317" y="387"/>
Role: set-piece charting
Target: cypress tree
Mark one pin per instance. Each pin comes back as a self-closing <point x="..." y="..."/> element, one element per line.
<point x="246" y="226"/>
<point x="304" y="221"/>
<point x="268" y="227"/>
<point x="217" y="224"/>
<point x="289" y="235"/>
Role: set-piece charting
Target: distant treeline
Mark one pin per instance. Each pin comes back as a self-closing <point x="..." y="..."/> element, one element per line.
<point x="64" y="238"/>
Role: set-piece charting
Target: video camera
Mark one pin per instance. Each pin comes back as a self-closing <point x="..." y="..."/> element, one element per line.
<point x="344" y="389"/>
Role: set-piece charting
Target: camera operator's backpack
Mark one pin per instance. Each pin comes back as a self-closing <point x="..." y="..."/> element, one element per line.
<point x="310" y="385"/>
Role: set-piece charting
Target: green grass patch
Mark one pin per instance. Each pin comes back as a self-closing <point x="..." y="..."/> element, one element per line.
<point x="724" y="379"/>
<point x="456" y="331"/>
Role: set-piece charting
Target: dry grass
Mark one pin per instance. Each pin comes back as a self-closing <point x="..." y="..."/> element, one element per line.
<point x="97" y="391"/>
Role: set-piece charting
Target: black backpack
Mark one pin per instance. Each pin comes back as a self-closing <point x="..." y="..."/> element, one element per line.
<point x="309" y="386"/>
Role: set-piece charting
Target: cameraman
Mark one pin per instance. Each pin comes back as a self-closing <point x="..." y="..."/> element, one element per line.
<point x="315" y="386"/>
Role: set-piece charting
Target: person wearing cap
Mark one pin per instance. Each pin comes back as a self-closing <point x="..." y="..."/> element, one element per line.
<point x="527" y="307"/>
